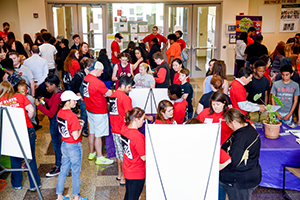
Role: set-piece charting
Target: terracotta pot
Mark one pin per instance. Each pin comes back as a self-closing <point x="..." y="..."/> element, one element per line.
<point x="272" y="130"/>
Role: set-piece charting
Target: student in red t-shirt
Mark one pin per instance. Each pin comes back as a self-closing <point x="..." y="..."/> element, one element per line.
<point x="95" y="93"/>
<point x="71" y="63"/>
<point x="70" y="129"/>
<point x="159" y="37"/>
<point x="177" y="66"/>
<point x="120" y="103"/>
<point x="133" y="143"/>
<point x="9" y="98"/>
<point x="237" y="92"/>
<point x="180" y="104"/>
<point x="124" y="68"/>
<point x="115" y="49"/>
<point x="165" y="113"/>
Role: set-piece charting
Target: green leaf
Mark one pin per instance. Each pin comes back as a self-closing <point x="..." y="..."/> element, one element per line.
<point x="268" y="107"/>
<point x="278" y="101"/>
<point x="257" y="96"/>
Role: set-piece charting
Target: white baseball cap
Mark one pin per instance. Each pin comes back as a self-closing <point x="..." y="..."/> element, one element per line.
<point x="69" y="95"/>
<point x="96" y="65"/>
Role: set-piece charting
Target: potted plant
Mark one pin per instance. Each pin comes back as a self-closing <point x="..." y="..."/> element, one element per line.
<point x="272" y="126"/>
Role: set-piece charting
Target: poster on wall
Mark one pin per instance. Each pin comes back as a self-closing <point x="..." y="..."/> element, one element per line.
<point x="289" y="18"/>
<point x="243" y="23"/>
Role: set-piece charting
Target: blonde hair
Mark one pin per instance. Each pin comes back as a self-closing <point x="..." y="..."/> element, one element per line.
<point x="145" y="66"/>
<point x="6" y="88"/>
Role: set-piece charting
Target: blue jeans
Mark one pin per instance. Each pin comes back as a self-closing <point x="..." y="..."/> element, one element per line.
<point x="83" y="114"/>
<point x="56" y="140"/>
<point x="17" y="177"/>
<point x="71" y="159"/>
<point x="222" y="192"/>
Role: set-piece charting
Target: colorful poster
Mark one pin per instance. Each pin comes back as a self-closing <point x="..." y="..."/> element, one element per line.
<point x="289" y="18"/>
<point x="243" y="23"/>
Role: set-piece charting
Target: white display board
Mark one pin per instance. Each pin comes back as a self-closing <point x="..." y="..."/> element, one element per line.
<point x="139" y="97"/>
<point x="10" y="145"/>
<point x="184" y="154"/>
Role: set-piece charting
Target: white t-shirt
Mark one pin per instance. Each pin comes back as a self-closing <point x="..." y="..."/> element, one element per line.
<point x="143" y="81"/>
<point x="47" y="51"/>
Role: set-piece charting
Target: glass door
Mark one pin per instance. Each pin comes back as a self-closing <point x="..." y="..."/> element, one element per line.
<point x="198" y="24"/>
<point x="64" y="22"/>
<point x="179" y="18"/>
<point x="204" y="46"/>
<point x="91" y="27"/>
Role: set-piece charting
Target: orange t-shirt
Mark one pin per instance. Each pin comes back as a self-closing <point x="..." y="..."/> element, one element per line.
<point x="174" y="50"/>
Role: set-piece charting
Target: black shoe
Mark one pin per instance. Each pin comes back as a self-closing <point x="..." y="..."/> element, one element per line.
<point x="55" y="172"/>
<point x="85" y="134"/>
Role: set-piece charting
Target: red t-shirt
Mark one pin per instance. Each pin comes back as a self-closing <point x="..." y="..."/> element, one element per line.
<point x="53" y="104"/>
<point x="133" y="143"/>
<point x="75" y="67"/>
<point x="249" y="40"/>
<point x="224" y="156"/>
<point x="180" y="111"/>
<point x="114" y="48"/>
<point x="93" y="91"/>
<point x="176" y="79"/>
<point x="182" y="43"/>
<point x="225" y="130"/>
<point x="17" y="101"/>
<point x="68" y="123"/>
<point x="120" y="103"/>
<point x="3" y="35"/>
<point x="157" y="121"/>
<point x="237" y="94"/>
<point x="159" y="37"/>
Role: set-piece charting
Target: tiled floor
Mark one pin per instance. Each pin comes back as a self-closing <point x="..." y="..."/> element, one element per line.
<point x="97" y="182"/>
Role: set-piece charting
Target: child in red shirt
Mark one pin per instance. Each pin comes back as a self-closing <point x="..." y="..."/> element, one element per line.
<point x="180" y="104"/>
<point x="133" y="142"/>
<point x="177" y="66"/>
<point x="165" y="113"/>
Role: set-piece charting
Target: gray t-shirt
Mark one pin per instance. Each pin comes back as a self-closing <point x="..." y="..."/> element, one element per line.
<point x="286" y="93"/>
<point x="25" y="74"/>
<point x="143" y="81"/>
<point x="31" y="99"/>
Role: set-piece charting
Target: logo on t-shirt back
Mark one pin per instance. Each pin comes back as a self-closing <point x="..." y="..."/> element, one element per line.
<point x="126" y="146"/>
<point x="85" y="86"/>
<point x="63" y="127"/>
<point x="113" y="106"/>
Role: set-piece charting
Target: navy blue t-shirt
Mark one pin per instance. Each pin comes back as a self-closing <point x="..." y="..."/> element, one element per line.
<point x="187" y="88"/>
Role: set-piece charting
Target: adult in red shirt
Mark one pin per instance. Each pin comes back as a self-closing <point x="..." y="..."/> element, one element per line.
<point x="71" y="63"/>
<point x="251" y="32"/>
<point x="159" y="37"/>
<point x="52" y="83"/>
<point x="133" y="143"/>
<point x="9" y="98"/>
<point x="180" y="104"/>
<point x="237" y="92"/>
<point x="120" y="103"/>
<point x="95" y="93"/>
<point x="70" y="129"/>
<point x="165" y="113"/>
<point x="115" y="49"/>
<point x="4" y="32"/>
<point x="179" y="40"/>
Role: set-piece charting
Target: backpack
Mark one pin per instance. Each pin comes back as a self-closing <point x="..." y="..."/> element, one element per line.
<point x="66" y="77"/>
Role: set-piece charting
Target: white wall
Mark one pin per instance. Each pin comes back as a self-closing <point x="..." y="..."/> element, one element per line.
<point x="28" y="24"/>
<point x="9" y="13"/>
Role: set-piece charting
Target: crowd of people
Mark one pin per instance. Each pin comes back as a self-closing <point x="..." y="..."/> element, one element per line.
<point x="32" y="74"/>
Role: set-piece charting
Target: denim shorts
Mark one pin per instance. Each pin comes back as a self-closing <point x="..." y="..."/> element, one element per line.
<point x="98" y="124"/>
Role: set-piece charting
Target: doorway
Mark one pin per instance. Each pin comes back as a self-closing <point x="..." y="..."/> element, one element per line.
<point x="199" y="24"/>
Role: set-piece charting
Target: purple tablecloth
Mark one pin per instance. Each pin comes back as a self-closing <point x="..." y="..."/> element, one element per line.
<point x="276" y="154"/>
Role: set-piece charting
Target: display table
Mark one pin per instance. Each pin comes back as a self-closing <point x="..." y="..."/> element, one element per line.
<point x="274" y="155"/>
